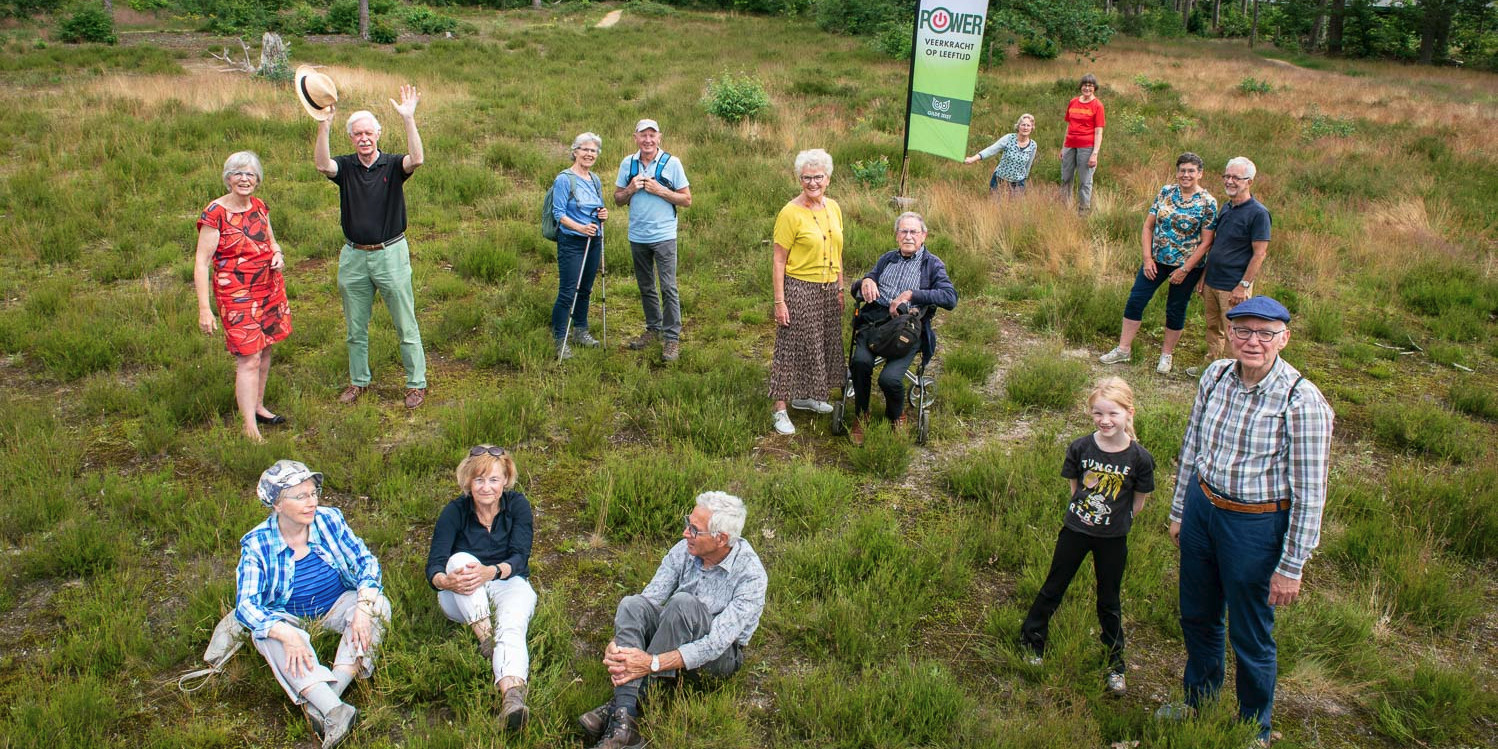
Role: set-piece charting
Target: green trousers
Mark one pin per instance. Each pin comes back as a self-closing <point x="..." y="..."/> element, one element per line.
<point x="360" y="274"/>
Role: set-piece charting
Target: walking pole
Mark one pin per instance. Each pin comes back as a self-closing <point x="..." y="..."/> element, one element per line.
<point x="575" y="289"/>
<point x="603" y="278"/>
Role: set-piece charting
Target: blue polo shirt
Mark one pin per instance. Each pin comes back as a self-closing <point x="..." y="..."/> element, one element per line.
<point x="1237" y="228"/>
<point x="652" y="218"/>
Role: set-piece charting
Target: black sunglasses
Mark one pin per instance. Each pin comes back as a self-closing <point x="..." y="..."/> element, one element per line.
<point x="498" y="452"/>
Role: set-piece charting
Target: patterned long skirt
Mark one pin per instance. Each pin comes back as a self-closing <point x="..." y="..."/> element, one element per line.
<point x="809" y="359"/>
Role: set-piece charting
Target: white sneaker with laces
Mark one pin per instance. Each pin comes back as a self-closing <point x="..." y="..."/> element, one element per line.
<point x="811" y="404"/>
<point x="1164" y="366"/>
<point x="1118" y="355"/>
<point x="783" y="423"/>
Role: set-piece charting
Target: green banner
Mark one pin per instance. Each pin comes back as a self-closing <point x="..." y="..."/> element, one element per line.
<point x="943" y="73"/>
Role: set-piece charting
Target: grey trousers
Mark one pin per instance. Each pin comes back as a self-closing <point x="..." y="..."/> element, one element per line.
<point x="1074" y="163"/>
<point x="337" y="619"/>
<point x="663" y="311"/>
<point x="641" y="624"/>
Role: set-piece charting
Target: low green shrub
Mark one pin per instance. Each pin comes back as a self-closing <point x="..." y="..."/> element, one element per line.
<point x="1323" y="322"/>
<point x="65" y="712"/>
<point x="1040" y="47"/>
<point x="1432" y="431"/>
<point x="382" y="31"/>
<point x="1151" y="85"/>
<point x="972" y="363"/>
<point x="1434" y="704"/>
<point x="419" y="19"/>
<point x="1319" y="125"/>
<point x="885" y="453"/>
<point x="1473" y="399"/>
<point x="1251" y="86"/>
<point x="904" y="704"/>
<point x="1080" y="310"/>
<point x="89" y="23"/>
<point x="1046" y="381"/>
<point x="733" y="98"/>
<point x="871" y="173"/>
<point x="646" y="496"/>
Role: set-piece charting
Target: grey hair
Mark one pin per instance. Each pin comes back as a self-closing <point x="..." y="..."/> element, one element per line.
<point x="728" y="513"/>
<point x="815" y="157"/>
<point x="584" y="138"/>
<point x="1249" y="170"/>
<point x="362" y="115"/>
<point x="1022" y="119"/>
<point x="243" y="161"/>
<point x="910" y="214"/>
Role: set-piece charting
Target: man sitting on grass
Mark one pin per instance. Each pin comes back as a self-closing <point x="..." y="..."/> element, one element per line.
<point x="695" y="616"/>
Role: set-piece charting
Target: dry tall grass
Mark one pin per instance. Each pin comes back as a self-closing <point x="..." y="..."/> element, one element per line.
<point x="1035" y="227"/>
<point x="207" y="89"/>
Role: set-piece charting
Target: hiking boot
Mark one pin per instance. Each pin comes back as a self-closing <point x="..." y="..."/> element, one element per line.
<point x="1115" y="683"/>
<point x="783" y="423"/>
<point x="563" y="350"/>
<point x="314" y="718"/>
<point x="1118" y="355"/>
<point x="1174" y="711"/>
<point x="621" y="733"/>
<point x="337" y="724"/>
<point x="855" y="433"/>
<point x="901" y="423"/>
<point x="512" y="710"/>
<point x="415" y="397"/>
<point x="1194" y="372"/>
<point x="812" y="404"/>
<point x="351" y="393"/>
<point x="584" y="338"/>
<point x="1165" y="362"/>
<point x="642" y="340"/>
<point x="671" y="351"/>
<point x="486" y="647"/>
<point x="594" y="722"/>
<point x="1034" y="660"/>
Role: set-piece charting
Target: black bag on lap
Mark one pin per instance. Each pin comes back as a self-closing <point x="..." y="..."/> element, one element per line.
<point x="890" y="336"/>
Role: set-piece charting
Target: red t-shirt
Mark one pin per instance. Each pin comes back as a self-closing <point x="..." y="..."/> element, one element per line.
<point x="1082" y="120"/>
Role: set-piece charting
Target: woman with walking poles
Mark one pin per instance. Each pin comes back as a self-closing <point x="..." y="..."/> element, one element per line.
<point x="577" y="206"/>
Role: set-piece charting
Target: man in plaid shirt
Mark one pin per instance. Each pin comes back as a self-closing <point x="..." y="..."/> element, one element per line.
<point x="1247" y="507"/>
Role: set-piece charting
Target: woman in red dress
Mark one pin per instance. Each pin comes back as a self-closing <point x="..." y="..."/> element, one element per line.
<point x="238" y="257"/>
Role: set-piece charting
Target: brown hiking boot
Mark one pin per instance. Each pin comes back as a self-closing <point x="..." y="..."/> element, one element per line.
<point x="415" y="397"/>
<point x="901" y="423"/>
<point x="595" y="722"/>
<point x="671" y="351"/>
<point x="622" y="733"/>
<point x="351" y="393"/>
<point x="512" y="710"/>
<point x="855" y="434"/>
<point x="642" y="340"/>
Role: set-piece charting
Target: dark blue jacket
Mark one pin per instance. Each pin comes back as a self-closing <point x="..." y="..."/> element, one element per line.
<point x="936" y="290"/>
<point x="508" y="540"/>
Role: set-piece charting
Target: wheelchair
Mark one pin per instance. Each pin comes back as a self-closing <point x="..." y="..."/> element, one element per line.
<point x="920" y="389"/>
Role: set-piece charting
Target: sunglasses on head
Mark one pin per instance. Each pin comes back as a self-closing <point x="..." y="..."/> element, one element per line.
<point x="498" y="452"/>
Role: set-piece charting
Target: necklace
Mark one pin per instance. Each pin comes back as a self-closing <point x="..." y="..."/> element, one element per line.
<point x="826" y="234"/>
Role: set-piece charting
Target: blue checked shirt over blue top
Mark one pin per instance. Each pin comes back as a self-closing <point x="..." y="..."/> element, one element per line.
<point x="733" y="592"/>
<point x="900" y="275"/>
<point x="266" y="568"/>
<point x="1261" y="444"/>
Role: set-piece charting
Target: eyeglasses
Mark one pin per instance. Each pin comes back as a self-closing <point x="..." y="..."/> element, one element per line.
<point x="909" y="232"/>
<point x="314" y="494"/>
<point x="237" y="175"/>
<point x="498" y="452"/>
<point x="813" y="178"/>
<point x="1235" y="178"/>
<point x="1265" y="336"/>
<point x="692" y="531"/>
<point x="587" y="150"/>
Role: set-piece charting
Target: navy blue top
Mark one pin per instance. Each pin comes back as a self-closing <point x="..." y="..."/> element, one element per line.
<point x="508" y="540"/>
<point x="1237" y="227"/>
<point x="934" y="289"/>
<point x="315" y="587"/>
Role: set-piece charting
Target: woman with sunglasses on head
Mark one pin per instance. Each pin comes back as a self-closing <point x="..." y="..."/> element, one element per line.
<point x="479" y="562"/>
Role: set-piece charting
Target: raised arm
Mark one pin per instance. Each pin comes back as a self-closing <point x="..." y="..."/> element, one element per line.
<point x="322" y="157"/>
<point x="415" y="155"/>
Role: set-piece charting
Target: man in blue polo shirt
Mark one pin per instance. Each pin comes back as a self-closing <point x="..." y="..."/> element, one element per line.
<point x="1238" y="250"/>
<point x="653" y="184"/>
<point x="372" y="208"/>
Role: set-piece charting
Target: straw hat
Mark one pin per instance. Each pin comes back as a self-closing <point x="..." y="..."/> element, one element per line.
<point x="316" y="92"/>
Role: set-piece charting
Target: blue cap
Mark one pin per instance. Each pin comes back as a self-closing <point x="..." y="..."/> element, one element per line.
<point x="1262" y="307"/>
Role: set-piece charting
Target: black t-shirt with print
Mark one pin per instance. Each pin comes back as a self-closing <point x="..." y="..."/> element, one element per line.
<point x="1103" y="504"/>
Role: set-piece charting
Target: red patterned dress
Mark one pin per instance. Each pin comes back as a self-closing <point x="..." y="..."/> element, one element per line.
<point x="251" y="296"/>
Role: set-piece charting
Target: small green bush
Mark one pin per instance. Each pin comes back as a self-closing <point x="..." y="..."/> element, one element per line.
<point x="1134" y="123"/>
<point x="894" y="40"/>
<point x="972" y="363"/>
<point x="1180" y="123"/>
<point x="1150" y="85"/>
<point x="89" y="23"/>
<point x="1433" y="431"/>
<point x="1324" y="323"/>
<point x="649" y="9"/>
<point x="906" y="704"/>
<point x="1473" y="399"/>
<point x="419" y="19"/>
<point x="1253" y="87"/>
<point x="1080" y="310"/>
<point x="1433" y="704"/>
<point x="734" y="98"/>
<point x="1319" y="125"/>
<point x="885" y="453"/>
<point x="1046" y="381"/>
<point x="1040" y="48"/>
<point x="871" y="173"/>
<point x="382" y="32"/>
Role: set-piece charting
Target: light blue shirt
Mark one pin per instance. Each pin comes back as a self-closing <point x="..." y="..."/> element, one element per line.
<point x="651" y="217"/>
<point x="733" y="592"/>
<point x="576" y="198"/>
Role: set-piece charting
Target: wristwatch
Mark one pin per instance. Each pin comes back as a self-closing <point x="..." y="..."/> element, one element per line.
<point x="1246" y="284"/>
<point x="655" y="663"/>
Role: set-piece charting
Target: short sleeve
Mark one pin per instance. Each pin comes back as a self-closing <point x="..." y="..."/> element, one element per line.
<point x="1260" y="231"/>
<point x="787" y="226"/>
<point x="1159" y="199"/>
<point x="1101" y="115"/>
<point x="1071" y="468"/>
<point x="212" y="217"/>
<point x="623" y="178"/>
<point x="678" y="175"/>
<point x="1144" y="471"/>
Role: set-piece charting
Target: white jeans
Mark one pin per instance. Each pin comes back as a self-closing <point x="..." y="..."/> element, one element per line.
<point x="337" y="619"/>
<point x="510" y="602"/>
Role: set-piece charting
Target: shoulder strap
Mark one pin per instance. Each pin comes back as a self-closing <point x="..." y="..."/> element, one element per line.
<point x="660" y="164"/>
<point x="1291" y="395"/>
<point x="634" y="166"/>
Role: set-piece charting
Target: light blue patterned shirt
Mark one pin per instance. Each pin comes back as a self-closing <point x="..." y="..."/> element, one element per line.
<point x="1014" y="164"/>
<point x="733" y="592"/>
<point x="266" y="568"/>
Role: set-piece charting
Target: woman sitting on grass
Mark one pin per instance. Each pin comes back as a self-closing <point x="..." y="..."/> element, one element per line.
<point x="479" y="561"/>
<point x="1016" y="152"/>
<point x="1111" y="475"/>
<point x="238" y="257"/>
<point x="303" y="566"/>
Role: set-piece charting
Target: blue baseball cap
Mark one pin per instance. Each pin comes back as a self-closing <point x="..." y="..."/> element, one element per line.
<point x="1262" y="307"/>
<point x="282" y="476"/>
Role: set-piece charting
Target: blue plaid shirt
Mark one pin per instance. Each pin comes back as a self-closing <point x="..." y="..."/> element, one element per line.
<point x="266" y="569"/>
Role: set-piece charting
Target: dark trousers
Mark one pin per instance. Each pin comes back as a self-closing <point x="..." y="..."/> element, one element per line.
<point x="575" y="254"/>
<point x="1109" y="556"/>
<point x="1175" y="304"/>
<point x="1227" y="559"/>
<point x="891" y="379"/>
<point x="638" y="623"/>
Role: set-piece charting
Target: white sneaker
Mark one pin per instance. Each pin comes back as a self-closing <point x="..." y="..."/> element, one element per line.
<point x="810" y="404"/>
<point x="1116" y="683"/>
<point x="1164" y="366"/>
<point x="783" y="423"/>
<point x="1116" y="356"/>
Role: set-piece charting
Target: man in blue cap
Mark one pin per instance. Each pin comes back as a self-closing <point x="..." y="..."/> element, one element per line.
<point x="1247" y="507"/>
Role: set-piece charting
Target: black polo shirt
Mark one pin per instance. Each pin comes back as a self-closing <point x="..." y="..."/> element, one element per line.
<point x="371" y="200"/>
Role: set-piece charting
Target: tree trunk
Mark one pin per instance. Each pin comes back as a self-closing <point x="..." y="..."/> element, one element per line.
<point x="109" y="7"/>
<point x="1435" y="30"/>
<point x="1186" y="14"/>
<point x="1334" y="28"/>
<point x="1216" y="16"/>
<point x="364" y="20"/>
<point x="1253" y="32"/>
<point x="536" y="4"/>
<point x="1318" y="27"/>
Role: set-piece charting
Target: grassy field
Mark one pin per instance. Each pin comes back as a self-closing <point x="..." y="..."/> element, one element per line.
<point x="899" y="575"/>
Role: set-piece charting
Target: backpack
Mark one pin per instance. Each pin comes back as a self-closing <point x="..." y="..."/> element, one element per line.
<point x="549" y="223"/>
<point x="896" y="336"/>
<point x="660" y="166"/>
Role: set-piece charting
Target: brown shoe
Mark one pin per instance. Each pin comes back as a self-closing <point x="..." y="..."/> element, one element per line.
<point x="902" y="422"/>
<point x="641" y="341"/>
<point x="352" y="393"/>
<point x="855" y="434"/>
<point x="595" y="722"/>
<point x="512" y="710"/>
<point x="415" y="397"/>
<point x="671" y="351"/>
<point x="622" y="733"/>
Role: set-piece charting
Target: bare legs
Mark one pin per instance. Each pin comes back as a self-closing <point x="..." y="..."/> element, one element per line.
<point x="1131" y="329"/>
<point x="250" y="375"/>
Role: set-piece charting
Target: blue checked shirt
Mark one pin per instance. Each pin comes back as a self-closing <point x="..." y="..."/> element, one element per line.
<point x="900" y="275"/>
<point x="1259" y="444"/>
<point x="733" y="592"/>
<point x="265" y="567"/>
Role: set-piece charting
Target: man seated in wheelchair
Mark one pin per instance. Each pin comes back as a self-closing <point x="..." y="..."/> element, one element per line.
<point x="910" y="276"/>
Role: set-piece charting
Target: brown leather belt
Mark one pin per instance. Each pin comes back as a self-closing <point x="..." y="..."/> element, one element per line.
<point x="380" y="246"/>
<point x="1231" y="506"/>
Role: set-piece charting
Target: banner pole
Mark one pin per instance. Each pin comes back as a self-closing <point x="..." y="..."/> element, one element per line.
<point x="915" y="30"/>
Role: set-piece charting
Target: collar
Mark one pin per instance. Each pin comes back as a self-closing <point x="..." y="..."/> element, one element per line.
<point x="729" y="562"/>
<point x="899" y="257"/>
<point x="277" y="541"/>
<point x="380" y="158"/>
<point x="1277" y="371"/>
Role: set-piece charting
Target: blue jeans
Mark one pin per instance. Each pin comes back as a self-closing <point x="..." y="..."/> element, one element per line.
<point x="1175" y="304"/>
<point x="1227" y="559"/>
<point x="575" y="254"/>
<point x="1010" y="187"/>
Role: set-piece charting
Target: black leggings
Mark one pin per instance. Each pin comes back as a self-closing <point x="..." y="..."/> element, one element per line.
<point x="1109" y="556"/>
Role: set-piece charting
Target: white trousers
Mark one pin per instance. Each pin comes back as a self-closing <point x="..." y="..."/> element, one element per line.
<point x="508" y="604"/>
<point x="338" y="620"/>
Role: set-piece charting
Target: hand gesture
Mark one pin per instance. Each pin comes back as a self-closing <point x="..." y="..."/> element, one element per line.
<point x="782" y="315"/>
<point x="206" y="321"/>
<point x="467" y="578"/>
<point x="603" y="214"/>
<point x="868" y="290"/>
<point x="902" y="298"/>
<point x="590" y="230"/>
<point x="1177" y="276"/>
<point x="361" y="631"/>
<point x="300" y="660"/>
<point x="1092" y="161"/>
<point x="1283" y="590"/>
<point x="278" y="260"/>
<point x="1240" y="295"/>
<point x="407" y="106"/>
<point x="972" y="159"/>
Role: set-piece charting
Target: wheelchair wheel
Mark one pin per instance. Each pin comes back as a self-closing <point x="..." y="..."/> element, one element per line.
<point x="926" y="385"/>
<point x="838" y="427"/>
<point x="922" y="427"/>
